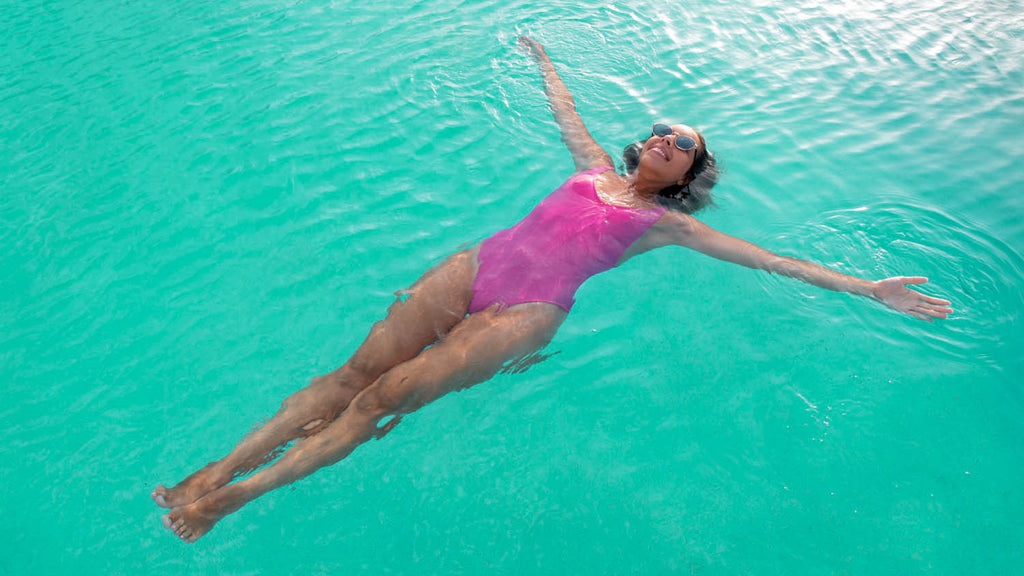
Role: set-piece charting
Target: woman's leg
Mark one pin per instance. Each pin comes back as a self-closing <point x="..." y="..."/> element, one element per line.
<point x="421" y="315"/>
<point x="473" y="352"/>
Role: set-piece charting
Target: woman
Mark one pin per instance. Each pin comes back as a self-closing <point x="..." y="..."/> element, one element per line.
<point x="498" y="302"/>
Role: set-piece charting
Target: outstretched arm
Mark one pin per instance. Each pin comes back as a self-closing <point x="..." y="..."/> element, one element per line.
<point x="892" y="292"/>
<point x="585" y="150"/>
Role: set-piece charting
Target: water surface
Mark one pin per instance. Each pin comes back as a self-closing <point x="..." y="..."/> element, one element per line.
<point x="205" y="204"/>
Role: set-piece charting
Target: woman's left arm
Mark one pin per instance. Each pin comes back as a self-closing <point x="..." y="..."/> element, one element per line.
<point x="689" y="232"/>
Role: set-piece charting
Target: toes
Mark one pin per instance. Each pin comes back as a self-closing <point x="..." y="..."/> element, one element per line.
<point x="177" y="522"/>
<point x="160" y="496"/>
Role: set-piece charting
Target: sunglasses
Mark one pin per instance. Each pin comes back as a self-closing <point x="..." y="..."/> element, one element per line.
<point x="684" y="143"/>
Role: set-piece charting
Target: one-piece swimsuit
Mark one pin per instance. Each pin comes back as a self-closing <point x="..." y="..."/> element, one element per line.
<point x="569" y="237"/>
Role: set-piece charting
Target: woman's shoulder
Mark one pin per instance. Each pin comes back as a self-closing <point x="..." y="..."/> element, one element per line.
<point x="596" y="170"/>
<point x="673" y="227"/>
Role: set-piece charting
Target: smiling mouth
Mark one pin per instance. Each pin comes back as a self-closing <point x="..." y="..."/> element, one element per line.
<point x="660" y="152"/>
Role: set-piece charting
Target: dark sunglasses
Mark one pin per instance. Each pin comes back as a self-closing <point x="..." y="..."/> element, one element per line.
<point x="684" y="143"/>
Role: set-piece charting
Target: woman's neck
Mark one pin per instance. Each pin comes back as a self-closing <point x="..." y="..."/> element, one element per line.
<point x="642" y="187"/>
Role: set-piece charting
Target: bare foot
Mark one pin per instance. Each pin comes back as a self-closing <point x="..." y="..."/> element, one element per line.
<point x="196" y="519"/>
<point x="188" y="522"/>
<point x="197" y="485"/>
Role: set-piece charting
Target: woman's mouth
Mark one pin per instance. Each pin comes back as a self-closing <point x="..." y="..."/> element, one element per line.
<point x="659" y="151"/>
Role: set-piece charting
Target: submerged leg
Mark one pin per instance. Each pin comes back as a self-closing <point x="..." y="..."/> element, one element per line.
<point x="429" y="309"/>
<point x="474" y="351"/>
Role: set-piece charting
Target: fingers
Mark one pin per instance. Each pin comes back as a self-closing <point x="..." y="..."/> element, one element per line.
<point x="937" y="301"/>
<point x="913" y="279"/>
<point x="920" y="316"/>
<point x="926" y="312"/>
<point x="531" y="46"/>
<point x="930" y="303"/>
<point x="929" y="299"/>
<point x="924" y="297"/>
<point x="912" y="302"/>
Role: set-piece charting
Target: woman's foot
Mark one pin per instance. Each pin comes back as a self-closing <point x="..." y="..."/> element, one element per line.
<point x="196" y="519"/>
<point x="197" y="485"/>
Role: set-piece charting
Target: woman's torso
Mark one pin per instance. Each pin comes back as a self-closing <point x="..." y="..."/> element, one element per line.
<point x="571" y="235"/>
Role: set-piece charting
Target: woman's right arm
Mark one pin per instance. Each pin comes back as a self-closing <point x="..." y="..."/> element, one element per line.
<point x="586" y="152"/>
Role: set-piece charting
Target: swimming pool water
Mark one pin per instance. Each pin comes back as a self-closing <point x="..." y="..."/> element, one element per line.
<point x="207" y="203"/>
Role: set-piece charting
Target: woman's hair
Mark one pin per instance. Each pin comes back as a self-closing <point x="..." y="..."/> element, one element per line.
<point x="688" y="198"/>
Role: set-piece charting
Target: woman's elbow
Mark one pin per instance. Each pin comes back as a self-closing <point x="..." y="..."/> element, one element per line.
<point x="775" y="264"/>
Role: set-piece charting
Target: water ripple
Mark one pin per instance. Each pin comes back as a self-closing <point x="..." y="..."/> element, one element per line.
<point x="979" y="273"/>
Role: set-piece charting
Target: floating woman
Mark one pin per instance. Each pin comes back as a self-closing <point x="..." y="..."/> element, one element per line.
<point x="500" y="301"/>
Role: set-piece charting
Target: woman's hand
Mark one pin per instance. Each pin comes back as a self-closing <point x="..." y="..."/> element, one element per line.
<point x="533" y="48"/>
<point x="893" y="293"/>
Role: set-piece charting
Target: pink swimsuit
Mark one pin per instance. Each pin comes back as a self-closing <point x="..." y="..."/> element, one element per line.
<point x="569" y="237"/>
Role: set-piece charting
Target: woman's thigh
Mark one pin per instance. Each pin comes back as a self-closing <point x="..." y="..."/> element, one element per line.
<point x="420" y="316"/>
<point x="476" y="349"/>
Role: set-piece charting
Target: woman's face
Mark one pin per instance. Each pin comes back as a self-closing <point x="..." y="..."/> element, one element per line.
<point x="660" y="159"/>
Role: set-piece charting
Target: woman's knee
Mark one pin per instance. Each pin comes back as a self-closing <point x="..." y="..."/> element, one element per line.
<point x="322" y="394"/>
<point x="392" y="394"/>
<point x="375" y="401"/>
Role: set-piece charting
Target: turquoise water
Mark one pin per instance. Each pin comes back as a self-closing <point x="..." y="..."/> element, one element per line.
<point x="207" y="203"/>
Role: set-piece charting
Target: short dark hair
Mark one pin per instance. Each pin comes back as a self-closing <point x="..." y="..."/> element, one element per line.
<point x="691" y="197"/>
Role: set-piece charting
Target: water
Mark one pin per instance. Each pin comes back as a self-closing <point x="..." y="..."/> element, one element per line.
<point x="205" y="204"/>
